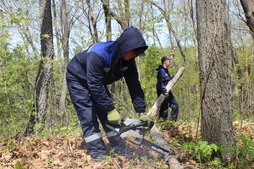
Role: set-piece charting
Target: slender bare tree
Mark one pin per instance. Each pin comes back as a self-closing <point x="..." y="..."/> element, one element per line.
<point x="23" y="22"/>
<point x="107" y="21"/>
<point x="92" y="22"/>
<point x="66" y="26"/>
<point x="248" y="7"/>
<point x="246" y="92"/>
<point x="45" y="70"/>
<point x="123" y="18"/>
<point x="166" y="15"/>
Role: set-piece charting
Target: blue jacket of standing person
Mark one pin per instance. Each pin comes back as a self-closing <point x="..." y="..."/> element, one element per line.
<point x="163" y="77"/>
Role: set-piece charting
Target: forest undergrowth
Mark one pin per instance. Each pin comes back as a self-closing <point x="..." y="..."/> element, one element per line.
<point x="65" y="150"/>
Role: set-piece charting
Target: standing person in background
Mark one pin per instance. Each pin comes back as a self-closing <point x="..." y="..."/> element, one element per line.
<point x="163" y="77"/>
<point x="88" y="75"/>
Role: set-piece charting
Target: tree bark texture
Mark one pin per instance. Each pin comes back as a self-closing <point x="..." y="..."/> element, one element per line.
<point x="107" y="21"/>
<point x="248" y="7"/>
<point x="65" y="47"/>
<point x="124" y="22"/>
<point x="215" y="61"/>
<point x="92" y="22"/>
<point x="45" y="69"/>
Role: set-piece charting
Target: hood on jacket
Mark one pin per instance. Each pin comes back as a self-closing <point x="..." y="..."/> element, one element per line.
<point x="130" y="39"/>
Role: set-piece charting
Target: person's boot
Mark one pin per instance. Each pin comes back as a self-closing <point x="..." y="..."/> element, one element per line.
<point x="97" y="150"/>
<point x="99" y="158"/>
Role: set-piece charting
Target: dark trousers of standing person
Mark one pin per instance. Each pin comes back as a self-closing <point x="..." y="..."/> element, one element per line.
<point x="172" y="103"/>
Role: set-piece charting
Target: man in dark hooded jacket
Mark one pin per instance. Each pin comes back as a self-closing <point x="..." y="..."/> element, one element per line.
<point x="87" y="75"/>
<point x="163" y="77"/>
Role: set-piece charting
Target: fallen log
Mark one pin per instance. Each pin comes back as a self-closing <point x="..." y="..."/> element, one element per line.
<point x="170" y="159"/>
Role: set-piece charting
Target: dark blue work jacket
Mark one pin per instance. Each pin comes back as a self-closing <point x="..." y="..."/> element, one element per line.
<point x="163" y="77"/>
<point x="102" y="64"/>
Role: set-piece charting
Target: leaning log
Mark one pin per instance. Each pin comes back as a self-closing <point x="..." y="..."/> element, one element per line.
<point x="155" y="133"/>
<point x="156" y="106"/>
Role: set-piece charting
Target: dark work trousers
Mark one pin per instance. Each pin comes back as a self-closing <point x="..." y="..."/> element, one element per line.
<point x="172" y="103"/>
<point x="88" y="111"/>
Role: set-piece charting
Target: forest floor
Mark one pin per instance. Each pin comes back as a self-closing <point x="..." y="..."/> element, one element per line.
<point x="67" y="151"/>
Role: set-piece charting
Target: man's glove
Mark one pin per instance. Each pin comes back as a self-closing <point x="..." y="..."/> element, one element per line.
<point x="145" y="118"/>
<point x="114" y="117"/>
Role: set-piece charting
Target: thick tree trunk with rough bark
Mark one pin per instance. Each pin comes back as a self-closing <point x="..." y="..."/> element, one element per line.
<point x="215" y="61"/>
<point x="46" y="65"/>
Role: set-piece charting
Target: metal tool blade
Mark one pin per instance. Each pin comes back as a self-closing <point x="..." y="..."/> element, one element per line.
<point x="157" y="148"/>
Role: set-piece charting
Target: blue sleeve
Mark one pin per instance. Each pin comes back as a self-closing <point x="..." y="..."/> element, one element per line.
<point x="95" y="66"/>
<point x="134" y="86"/>
<point x="161" y="80"/>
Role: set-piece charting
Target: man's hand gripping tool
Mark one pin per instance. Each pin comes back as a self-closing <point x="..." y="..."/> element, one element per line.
<point x="134" y="130"/>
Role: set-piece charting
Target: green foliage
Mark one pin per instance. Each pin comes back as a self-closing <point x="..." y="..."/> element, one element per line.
<point x="215" y="162"/>
<point x="148" y="73"/>
<point x="18" y="165"/>
<point x="186" y="90"/>
<point x="11" y="145"/>
<point x="17" y="78"/>
<point x="201" y="151"/>
<point x="70" y="127"/>
<point x="243" y="81"/>
<point x="246" y="152"/>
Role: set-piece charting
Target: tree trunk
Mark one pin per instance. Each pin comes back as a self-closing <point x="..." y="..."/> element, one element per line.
<point x="107" y="21"/>
<point x="248" y="7"/>
<point x="65" y="46"/>
<point x="121" y="21"/>
<point x="92" y="22"/>
<point x="45" y="70"/>
<point x="215" y="61"/>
